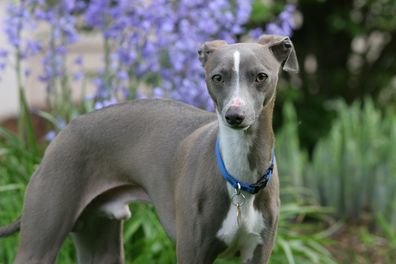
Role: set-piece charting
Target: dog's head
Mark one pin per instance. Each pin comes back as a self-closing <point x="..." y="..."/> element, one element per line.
<point x="242" y="78"/>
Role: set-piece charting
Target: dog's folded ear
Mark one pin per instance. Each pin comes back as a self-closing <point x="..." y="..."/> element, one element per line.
<point x="207" y="48"/>
<point x="283" y="50"/>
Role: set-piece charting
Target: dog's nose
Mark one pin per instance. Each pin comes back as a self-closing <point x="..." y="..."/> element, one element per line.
<point x="234" y="116"/>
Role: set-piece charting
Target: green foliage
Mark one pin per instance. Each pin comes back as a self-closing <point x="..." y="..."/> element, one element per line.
<point x="145" y="240"/>
<point x="292" y="161"/>
<point x="16" y="165"/>
<point x="294" y="245"/>
<point x="346" y="50"/>
<point x="261" y="13"/>
<point x="353" y="168"/>
<point x="387" y="230"/>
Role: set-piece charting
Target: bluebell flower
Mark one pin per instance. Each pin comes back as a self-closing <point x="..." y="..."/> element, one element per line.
<point x="284" y="24"/>
<point x="60" y="124"/>
<point x="256" y="33"/>
<point x="122" y="75"/>
<point x="77" y="76"/>
<point x="27" y="72"/>
<point x="32" y="47"/>
<point x="3" y="59"/>
<point x="158" y="92"/>
<point x="50" y="135"/>
<point x="105" y="103"/>
<point x="78" y="60"/>
<point x="68" y="5"/>
<point x="148" y="40"/>
<point x="3" y="53"/>
<point x="273" y="28"/>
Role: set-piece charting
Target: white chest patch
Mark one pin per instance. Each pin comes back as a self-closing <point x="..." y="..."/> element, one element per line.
<point x="244" y="237"/>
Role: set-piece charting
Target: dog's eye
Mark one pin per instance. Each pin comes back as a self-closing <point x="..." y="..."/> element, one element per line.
<point x="261" y="77"/>
<point x="217" y="78"/>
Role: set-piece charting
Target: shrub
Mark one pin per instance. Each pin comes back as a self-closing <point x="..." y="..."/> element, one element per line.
<point x="353" y="168"/>
<point x="292" y="160"/>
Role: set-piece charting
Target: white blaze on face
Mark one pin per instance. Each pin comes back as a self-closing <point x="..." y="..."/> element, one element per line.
<point x="236" y="95"/>
<point x="237" y="58"/>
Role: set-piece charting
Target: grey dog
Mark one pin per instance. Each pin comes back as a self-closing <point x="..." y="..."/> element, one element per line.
<point x="211" y="177"/>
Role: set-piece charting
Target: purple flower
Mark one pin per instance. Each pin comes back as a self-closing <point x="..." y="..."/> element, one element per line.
<point x="159" y="38"/>
<point x="68" y="5"/>
<point x="3" y="53"/>
<point x="274" y="29"/>
<point x="27" y="72"/>
<point x="158" y="92"/>
<point x="122" y="75"/>
<point x="256" y="33"/>
<point x="60" y="124"/>
<point x="77" y="76"/>
<point x="154" y="42"/>
<point x="32" y="47"/>
<point x="50" y="135"/>
<point x="3" y="59"/>
<point x="105" y="103"/>
<point x="284" y="24"/>
<point x="78" y="60"/>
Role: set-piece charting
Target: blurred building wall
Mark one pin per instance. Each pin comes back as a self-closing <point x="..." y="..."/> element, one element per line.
<point x="8" y="89"/>
<point x="89" y="47"/>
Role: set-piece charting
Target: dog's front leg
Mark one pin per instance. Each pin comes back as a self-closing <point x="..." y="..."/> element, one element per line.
<point x="197" y="224"/>
<point x="269" y="205"/>
<point x="190" y="249"/>
<point x="196" y="241"/>
<point x="263" y="251"/>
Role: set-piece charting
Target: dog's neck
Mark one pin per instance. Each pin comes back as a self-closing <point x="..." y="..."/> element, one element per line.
<point x="247" y="153"/>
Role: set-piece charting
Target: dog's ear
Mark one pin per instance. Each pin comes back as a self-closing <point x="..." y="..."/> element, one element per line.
<point x="209" y="47"/>
<point x="283" y="50"/>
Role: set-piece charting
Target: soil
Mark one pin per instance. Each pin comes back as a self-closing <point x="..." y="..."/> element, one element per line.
<point x="355" y="245"/>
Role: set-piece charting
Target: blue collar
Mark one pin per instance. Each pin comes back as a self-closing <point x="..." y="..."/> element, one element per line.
<point x="250" y="188"/>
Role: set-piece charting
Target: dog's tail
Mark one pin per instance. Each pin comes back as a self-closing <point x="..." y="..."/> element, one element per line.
<point x="11" y="228"/>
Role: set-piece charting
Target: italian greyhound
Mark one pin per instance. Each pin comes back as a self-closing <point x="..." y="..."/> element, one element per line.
<point x="211" y="177"/>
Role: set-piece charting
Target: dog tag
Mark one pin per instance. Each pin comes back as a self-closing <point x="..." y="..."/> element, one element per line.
<point x="238" y="207"/>
<point x="238" y="199"/>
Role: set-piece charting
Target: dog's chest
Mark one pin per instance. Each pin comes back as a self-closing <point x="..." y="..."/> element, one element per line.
<point x="246" y="235"/>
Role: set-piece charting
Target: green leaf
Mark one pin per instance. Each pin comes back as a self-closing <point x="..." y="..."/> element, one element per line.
<point x="287" y="250"/>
